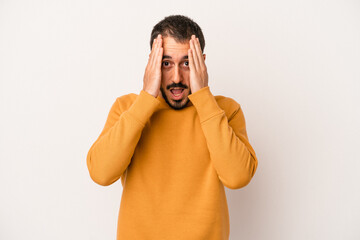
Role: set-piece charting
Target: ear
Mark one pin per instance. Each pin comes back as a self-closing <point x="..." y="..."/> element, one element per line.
<point x="204" y="56"/>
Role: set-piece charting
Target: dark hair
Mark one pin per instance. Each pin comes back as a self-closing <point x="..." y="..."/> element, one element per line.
<point x="180" y="28"/>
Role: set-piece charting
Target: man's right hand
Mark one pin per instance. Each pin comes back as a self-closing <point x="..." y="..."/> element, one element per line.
<point x="152" y="76"/>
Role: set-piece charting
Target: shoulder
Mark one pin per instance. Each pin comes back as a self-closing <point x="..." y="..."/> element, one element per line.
<point x="228" y="104"/>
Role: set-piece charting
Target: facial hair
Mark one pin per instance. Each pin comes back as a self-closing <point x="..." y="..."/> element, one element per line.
<point x="176" y="106"/>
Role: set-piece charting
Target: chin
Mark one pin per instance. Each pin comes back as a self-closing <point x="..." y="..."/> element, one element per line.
<point x="173" y="102"/>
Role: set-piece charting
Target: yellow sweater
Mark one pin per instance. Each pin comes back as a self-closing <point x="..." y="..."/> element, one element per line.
<point x="173" y="164"/>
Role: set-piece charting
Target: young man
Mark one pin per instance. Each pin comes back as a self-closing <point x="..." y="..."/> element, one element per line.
<point x="175" y="145"/>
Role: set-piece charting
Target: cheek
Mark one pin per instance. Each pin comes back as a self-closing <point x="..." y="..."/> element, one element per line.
<point x="164" y="79"/>
<point x="165" y="74"/>
<point x="186" y="76"/>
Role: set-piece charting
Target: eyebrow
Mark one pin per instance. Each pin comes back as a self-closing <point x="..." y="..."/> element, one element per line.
<point x="167" y="56"/>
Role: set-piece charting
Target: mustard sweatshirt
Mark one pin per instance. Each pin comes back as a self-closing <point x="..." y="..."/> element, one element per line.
<point x="173" y="164"/>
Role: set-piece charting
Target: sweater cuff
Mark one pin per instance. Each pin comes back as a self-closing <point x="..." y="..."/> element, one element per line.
<point x="205" y="104"/>
<point x="143" y="107"/>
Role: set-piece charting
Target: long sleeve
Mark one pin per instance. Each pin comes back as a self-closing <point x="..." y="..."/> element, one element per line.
<point x="111" y="153"/>
<point x="230" y="151"/>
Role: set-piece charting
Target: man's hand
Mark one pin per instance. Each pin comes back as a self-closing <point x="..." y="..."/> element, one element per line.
<point x="198" y="71"/>
<point x="152" y="76"/>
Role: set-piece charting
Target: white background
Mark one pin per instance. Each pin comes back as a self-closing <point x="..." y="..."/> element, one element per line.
<point x="294" y="66"/>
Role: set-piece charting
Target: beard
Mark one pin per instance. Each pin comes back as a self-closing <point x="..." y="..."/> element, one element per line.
<point x="175" y="104"/>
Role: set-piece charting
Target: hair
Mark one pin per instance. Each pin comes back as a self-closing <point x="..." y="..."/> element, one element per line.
<point x="180" y="28"/>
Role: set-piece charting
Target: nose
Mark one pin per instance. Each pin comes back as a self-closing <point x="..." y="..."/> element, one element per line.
<point x="177" y="77"/>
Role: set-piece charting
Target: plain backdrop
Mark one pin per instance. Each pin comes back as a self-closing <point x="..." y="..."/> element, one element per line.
<point x="294" y="66"/>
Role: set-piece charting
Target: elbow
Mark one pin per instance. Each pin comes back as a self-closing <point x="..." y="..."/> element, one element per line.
<point x="237" y="182"/>
<point x="101" y="179"/>
<point x="97" y="175"/>
<point x="241" y="178"/>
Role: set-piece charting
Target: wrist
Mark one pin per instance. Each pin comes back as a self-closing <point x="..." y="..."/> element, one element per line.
<point x="196" y="88"/>
<point x="150" y="92"/>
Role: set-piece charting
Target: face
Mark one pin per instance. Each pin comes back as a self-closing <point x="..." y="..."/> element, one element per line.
<point x="175" y="71"/>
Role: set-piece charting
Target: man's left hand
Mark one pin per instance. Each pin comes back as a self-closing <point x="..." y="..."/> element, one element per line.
<point x="198" y="71"/>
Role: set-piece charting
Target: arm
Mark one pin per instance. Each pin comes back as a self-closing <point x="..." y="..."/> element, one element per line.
<point x="111" y="153"/>
<point x="230" y="151"/>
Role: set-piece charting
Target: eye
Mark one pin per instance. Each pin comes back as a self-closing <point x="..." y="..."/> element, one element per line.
<point x="166" y="64"/>
<point x="186" y="63"/>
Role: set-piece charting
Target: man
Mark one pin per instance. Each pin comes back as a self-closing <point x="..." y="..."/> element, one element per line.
<point x="175" y="145"/>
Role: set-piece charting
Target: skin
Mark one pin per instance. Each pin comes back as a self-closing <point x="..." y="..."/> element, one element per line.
<point x="173" y="64"/>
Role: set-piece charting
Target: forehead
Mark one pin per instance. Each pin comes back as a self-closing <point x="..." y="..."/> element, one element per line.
<point x="175" y="49"/>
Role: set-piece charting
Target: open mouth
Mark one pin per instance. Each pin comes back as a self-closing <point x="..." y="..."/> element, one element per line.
<point x="177" y="92"/>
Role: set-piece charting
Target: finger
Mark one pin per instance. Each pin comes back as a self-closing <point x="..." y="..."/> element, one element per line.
<point x="153" y="52"/>
<point x="153" y="49"/>
<point x="156" y="53"/>
<point x="159" y="59"/>
<point x="191" y="60"/>
<point x="193" y="50"/>
<point x="199" y="53"/>
<point x="153" y="44"/>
